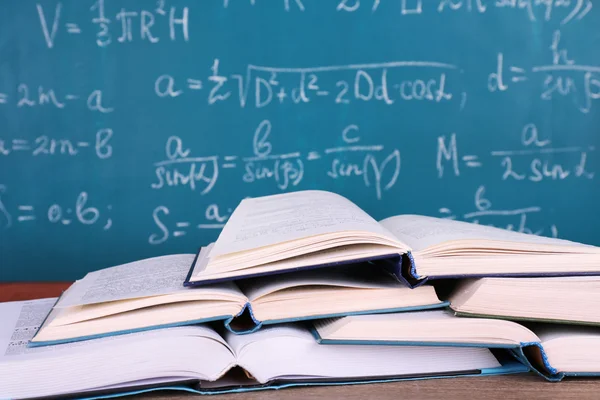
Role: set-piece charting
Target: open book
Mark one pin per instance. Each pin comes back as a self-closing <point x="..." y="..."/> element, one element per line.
<point x="572" y="300"/>
<point x="150" y="294"/>
<point x="198" y="359"/>
<point x="311" y="229"/>
<point x="554" y="351"/>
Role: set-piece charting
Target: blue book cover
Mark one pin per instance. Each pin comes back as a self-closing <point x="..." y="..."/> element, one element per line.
<point x="508" y="366"/>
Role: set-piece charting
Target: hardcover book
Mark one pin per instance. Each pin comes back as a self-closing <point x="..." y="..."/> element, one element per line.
<point x="201" y="360"/>
<point x="569" y="300"/>
<point x="553" y="351"/>
<point x="315" y="229"/>
<point x="149" y="294"/>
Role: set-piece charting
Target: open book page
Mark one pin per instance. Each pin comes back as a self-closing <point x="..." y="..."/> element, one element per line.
<point x="149" y="277"/>
<point x="20" y="322"/>
<point x="201" y="261"/>
<point x="549" y="332"/>
<point x="22" y="319"/>
<point x="439" y="326"/>
<point x="285" y="217"/>
<point x="131" y="297"/>
<point x="348" y="253"/>
<point x="465" y="290"/>
<point x="571" y="348"/>
<point x="168" y="355"/>
<point x="369" y="278"/>
<point x="239" y="343"/>
<point x="420" y="232"/>
<point x="565" y="298"/>
<point x="81" y="323"/>
<point x="289" y="352"/>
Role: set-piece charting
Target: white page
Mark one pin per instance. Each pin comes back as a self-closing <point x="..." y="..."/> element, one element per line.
<point x="266" y="334"/>
<point x="290" y="352"/>
<point x="20" y="322"/>
<point x="548" y="332"/>
<point x="570" y="348"/>
<point x="420" y="232"/>
<point x="274" y="219"/>
<point x="202" y="261"/>
<point x="440" y="326"/>
<point x="22" y="319"/>
<point x="371" y="279"/>
<point x="149" y="277"/>
<point x="404" y="316"/>
<point x="172" y="354"/>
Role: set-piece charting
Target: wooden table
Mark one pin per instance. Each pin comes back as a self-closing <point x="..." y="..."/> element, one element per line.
<point x="498" y="387"/>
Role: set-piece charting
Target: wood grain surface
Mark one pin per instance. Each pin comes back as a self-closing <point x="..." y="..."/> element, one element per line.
<point x="515" y="387"/>
<point x="492" y="388"/>
<point x="29" y="291"/>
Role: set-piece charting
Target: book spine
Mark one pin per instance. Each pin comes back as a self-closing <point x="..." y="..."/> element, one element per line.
<point x="243" y="323"/>
<point x="403" y="269"/>
<point x="532" y="354"/>
<point x="187" y="282"/>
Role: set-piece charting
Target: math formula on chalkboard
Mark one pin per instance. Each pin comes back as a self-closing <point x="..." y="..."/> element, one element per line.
<point x="130" y="129"/>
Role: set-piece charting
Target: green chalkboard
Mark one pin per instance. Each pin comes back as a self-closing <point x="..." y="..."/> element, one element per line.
<point x="132" y="128"/>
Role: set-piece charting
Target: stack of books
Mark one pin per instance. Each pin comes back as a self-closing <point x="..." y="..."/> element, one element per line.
<point x="306" y="288"/>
